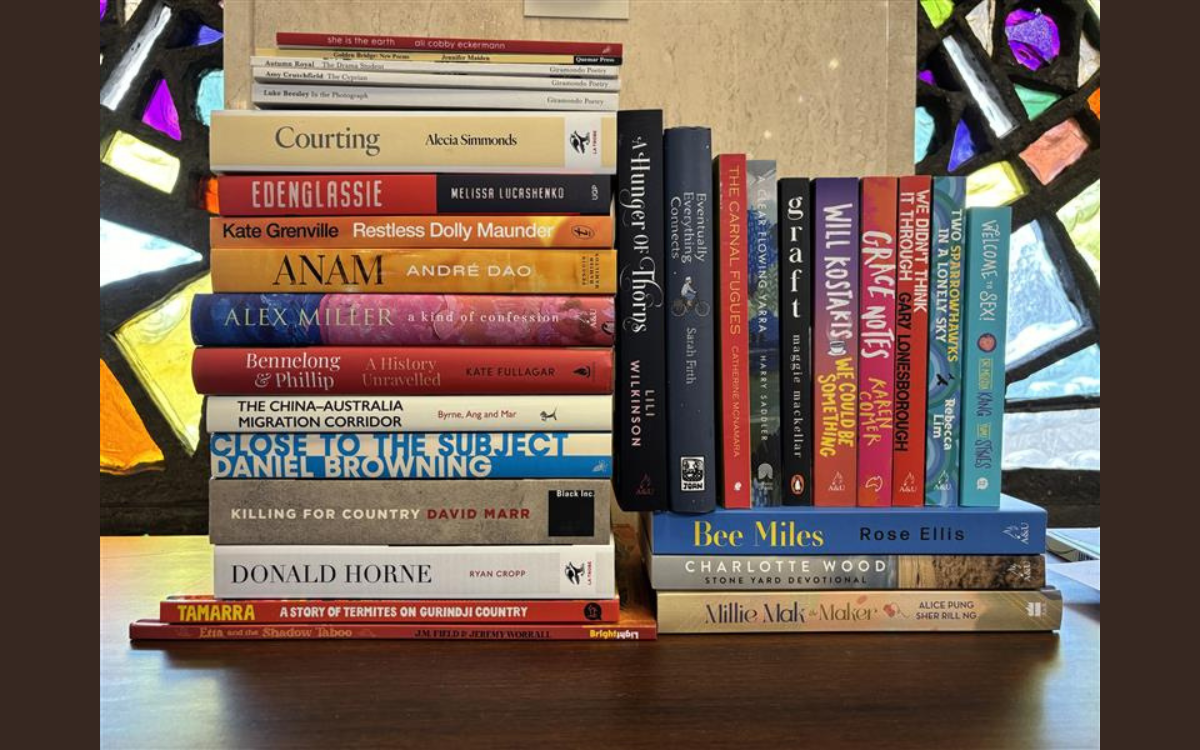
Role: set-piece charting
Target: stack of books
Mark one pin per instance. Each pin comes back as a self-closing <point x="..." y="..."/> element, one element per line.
<point x="827" y="456"/>
<point x="408" y="358"/>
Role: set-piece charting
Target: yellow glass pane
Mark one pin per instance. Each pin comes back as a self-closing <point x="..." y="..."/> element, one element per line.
<point x="1081" y="218"/>
<point x="994" y="185"/>
<point x="141" y="161"/>
<point x="125" y="446"/>
<point x="157" y="342"/>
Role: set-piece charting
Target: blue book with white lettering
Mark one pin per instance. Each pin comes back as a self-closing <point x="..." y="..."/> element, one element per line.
<point x="1014" y="528"/>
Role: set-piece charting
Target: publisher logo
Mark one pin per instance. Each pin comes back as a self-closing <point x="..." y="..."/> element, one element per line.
<point x="1035" y="609"/>
<point x="987" y="343"/>
<point x="691" y="473"/>
<point x="591" y="611"/>
<point x="574" y="573"/>
<point x="580" y="141"/>
<point x="1019" y="531"/>
<point x="796" y="484"/>
<point x="547" y="416"/>
<point x="582" y="232"/>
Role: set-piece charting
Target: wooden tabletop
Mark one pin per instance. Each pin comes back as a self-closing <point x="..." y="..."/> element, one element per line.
<point x="823" y="690"/>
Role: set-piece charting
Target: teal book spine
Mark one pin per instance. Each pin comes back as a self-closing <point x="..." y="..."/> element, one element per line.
<point x="986" y="314"/>
<point x="943" y="424"/>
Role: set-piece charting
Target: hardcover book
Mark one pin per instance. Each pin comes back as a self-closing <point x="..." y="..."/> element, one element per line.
<point x="401" y="320"/>
<point x="691" y="369"/>
<point x="412" y="231"/>
<point x="795" y="322"/>
<point x="641" y="389"/>
<point x="411" y="455"/>
<point x="408" y="194"/>
<point x="320" y="96"/>
<point x="314" y="60"/>
<point x="209" y="609"/>
<point x="762" y="225"/>
<point x="944" y="428"/>
<point x="396" y="371"/>
<point x="835" y="344"/>
<point x="984" y="340"/>
<point x="494" y="59"/>
<point x="429" y="572"/>
<point x="858" y="611"/>
<point x="733" y="333"/>
<point x="414" y="271"/>
<point x="287" y="39"/>
<point x="444" y="512"/>
<point x="912" y="341"/>
<point x="1014" y="528"/>
<point x="472" y="80"/>
<point x="877" y="341"/>
<point x="412" y="141"/>
<point x="408" y="414"/>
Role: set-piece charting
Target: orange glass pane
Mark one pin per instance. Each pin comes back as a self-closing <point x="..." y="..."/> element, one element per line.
<point x="125" y="446"/>
<point x="1094" y="102"/>
<point x="211" y="203"/>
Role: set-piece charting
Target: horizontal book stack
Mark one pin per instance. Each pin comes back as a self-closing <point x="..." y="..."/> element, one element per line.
<point x="408" y="362"/>
<point x="827" y="452"/>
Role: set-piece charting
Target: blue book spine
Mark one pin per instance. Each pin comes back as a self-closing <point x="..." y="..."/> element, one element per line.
<point x="413" y="455"/>
<point x="762" y="224"/>
<point x="985" y="319"/>
<point x="691" y="364"/>
<point x="1014" y="528"/>
<point x="256" y="319"/>
<point x="943" y="422"/>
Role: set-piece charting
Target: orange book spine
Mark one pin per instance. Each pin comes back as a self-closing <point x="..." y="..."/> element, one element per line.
<point x="412" y="231"/>
<point x="413" y="271"/>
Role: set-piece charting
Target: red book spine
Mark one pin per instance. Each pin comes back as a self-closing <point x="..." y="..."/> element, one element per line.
<point x="210" y="610"/>
<point x="734" y="335"/>
<point x="403" y="371"/>
<point x="446" y="44"/>
<point x="155" y="630"/>
<point x="912" y="341"/>
<point x="328" y="195"/>
<point x="876" y="341"/>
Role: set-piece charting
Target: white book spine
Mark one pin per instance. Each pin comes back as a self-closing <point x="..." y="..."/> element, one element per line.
<point x="431" y="80"/>
<point x="409" y="414"/>
<point x="377" y="97"/>
<point x="403" y="66"/>
<point x="356" y="572"/>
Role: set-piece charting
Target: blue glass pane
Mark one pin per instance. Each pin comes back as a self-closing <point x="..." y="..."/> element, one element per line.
<point x="205" y="35"/>
<point x="210" y="95"/>
<point x="1052" y="440"/>
<point x="126" y="252"/>
<point x="1077" y="375"/>
<point x="1039" y="312"/>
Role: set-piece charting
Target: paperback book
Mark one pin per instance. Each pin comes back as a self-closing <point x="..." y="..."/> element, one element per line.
<point x="796" y="337"/>
<point x="912" y="340"/>
<point x="290" y="39"/>
<point x="321" y="96"/>
<point x="433" y="79"/>
<point x="315" y="60"/>
<point x="733" y="332"/>
<point x="762" y="244"/>
<point x="496" y="60"/>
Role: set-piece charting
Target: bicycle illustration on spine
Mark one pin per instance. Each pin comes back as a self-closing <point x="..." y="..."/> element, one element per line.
<point x="688" y="300"/>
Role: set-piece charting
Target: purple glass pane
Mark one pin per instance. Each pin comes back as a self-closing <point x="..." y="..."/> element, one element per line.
<point x="206" y="35"/>
<point x="964" y="147"/>
<point x="1033" y="37"/>
<point x="927" y="77"/>
<point x="160" y="112"/>
<point x="103" y="7"/>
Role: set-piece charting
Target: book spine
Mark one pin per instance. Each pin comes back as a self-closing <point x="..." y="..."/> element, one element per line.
<point x="944" y="428"/>
<point x="424" y="572"/>
<point x="286" y="39"/>
<point x="877" y="341"/>
<point x="796" y="331"/>
<point x="414" y="271"/>
<point x="289" y="74"/>
<point x="762" y="220"/>
<point x="411" y="455"/>
<point x="438" y="512"/>
<point x="858" y="611"/>
<point x="266" y="95"/>
<point x="412" y="414"/>
<point x="912" y="340"/>
<point x="401" y="320"/>
<point x="413" y="231"/>
<point x="210" y="610"/>
<point x="1017" y="530"/>
<point x="413" y="141"/>
<point x="986" y="317"/>
<point x="465" y="59"/>
<point x="835" y="346"/>
<point x="691" y="370"/>
<point x="153" y="630"/>
<point x="641" y="392"/>
<point x="317" y="60"/>
<point x="409" y="194"/>
<point x="733" y="336"/>
<point x="408" y="371"/>
<point x="846" y="572"/>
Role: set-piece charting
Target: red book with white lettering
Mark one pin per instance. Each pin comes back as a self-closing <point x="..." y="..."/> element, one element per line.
<point x="292" y="39"/>
<point x="912" y="341"/>
<point x="732" y="332"/>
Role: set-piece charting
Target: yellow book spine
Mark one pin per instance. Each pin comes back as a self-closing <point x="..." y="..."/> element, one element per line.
<point x="413" y="271"/>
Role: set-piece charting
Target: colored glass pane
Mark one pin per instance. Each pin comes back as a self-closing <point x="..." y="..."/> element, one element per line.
<point x="125" y="445"/>
<point x="1035" y="101"/>
<point x="204" y="35"/>
<point x="157" y="343"/>
<point x="1039" y="312"/>
<point x="963" y="149"/>
<point x="1032" y="37"/>
<point x="210" y="95"/>
<point x="923" y="134"/>
<point x="1094" y="102"/>
<point x="938" y="11"/>
<point x="103" y="8"/>
<point x="1056" y="149"/>
<point x="160" y="112"/>
<point x="131" y="7"/>
<point x="130" y="65"/>
<point x="994" y="185"/>
<point x="127" y="252"/>
<point x="1076" y="375"/>
<point x="1089" y="61"/>
<point x="134" y="157"/>
<point x="1081" y="218"/>
<point x="979" y="19"/>
<point x="979" y="87"/>
<point x="212" y="202"/>
<point x="1052" y="440"/>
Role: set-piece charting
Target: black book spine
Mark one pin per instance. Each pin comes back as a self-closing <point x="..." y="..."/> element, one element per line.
<point x="641" y="341"/>
<point x="796" y="319"/>
<point x="524" y="194"/>
<point x="691" y="365"/>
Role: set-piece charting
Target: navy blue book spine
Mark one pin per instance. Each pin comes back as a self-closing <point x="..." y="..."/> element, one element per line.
<point x="691" y="365"/>
<point x="641" y="389"/>
<point x="795" y="319"/>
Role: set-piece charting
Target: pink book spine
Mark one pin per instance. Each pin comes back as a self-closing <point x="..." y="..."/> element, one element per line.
<point x="877" y="341"/>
